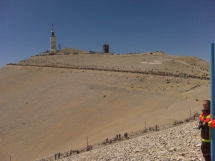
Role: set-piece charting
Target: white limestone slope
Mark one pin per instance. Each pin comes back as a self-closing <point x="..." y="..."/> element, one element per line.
<point x="181" y="143"/>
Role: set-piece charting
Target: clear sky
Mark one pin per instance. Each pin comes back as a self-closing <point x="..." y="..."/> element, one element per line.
<point x="178" y="27"/>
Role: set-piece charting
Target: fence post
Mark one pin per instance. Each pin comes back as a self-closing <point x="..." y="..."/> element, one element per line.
<point x="87" y="141"/>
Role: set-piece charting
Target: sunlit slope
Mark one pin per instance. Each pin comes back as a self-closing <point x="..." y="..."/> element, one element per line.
<point x="45" y="110"/>
<point x="146" y="62"/>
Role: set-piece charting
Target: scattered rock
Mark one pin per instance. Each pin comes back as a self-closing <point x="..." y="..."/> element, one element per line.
<point x="151" y="147"/>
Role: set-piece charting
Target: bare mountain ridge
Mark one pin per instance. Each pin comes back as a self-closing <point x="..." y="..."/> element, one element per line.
<point x="159" y="62"/>
<point x="51" y="109"/>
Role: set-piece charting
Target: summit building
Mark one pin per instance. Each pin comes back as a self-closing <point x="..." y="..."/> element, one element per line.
<point x="52" y="40"/>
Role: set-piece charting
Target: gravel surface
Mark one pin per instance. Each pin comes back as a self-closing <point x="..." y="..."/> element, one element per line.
<point x="181" y="143"/>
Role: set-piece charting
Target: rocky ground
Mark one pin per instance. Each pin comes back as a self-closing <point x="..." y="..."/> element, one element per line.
<point x="181" y="143"/>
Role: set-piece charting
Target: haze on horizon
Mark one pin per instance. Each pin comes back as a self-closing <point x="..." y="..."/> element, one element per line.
<point x="174" y="27"/>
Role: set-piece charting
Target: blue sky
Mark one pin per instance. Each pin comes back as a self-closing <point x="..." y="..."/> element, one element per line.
<point x="178" y="27"/>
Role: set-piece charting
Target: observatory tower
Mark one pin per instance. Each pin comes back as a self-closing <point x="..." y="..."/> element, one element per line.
<point x="52" y="41"/>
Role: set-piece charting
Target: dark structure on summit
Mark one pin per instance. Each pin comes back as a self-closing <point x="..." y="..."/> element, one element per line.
<point x="106" y="48"/>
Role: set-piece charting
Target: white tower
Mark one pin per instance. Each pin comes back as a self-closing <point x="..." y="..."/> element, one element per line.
<point x="52" y="41"/>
